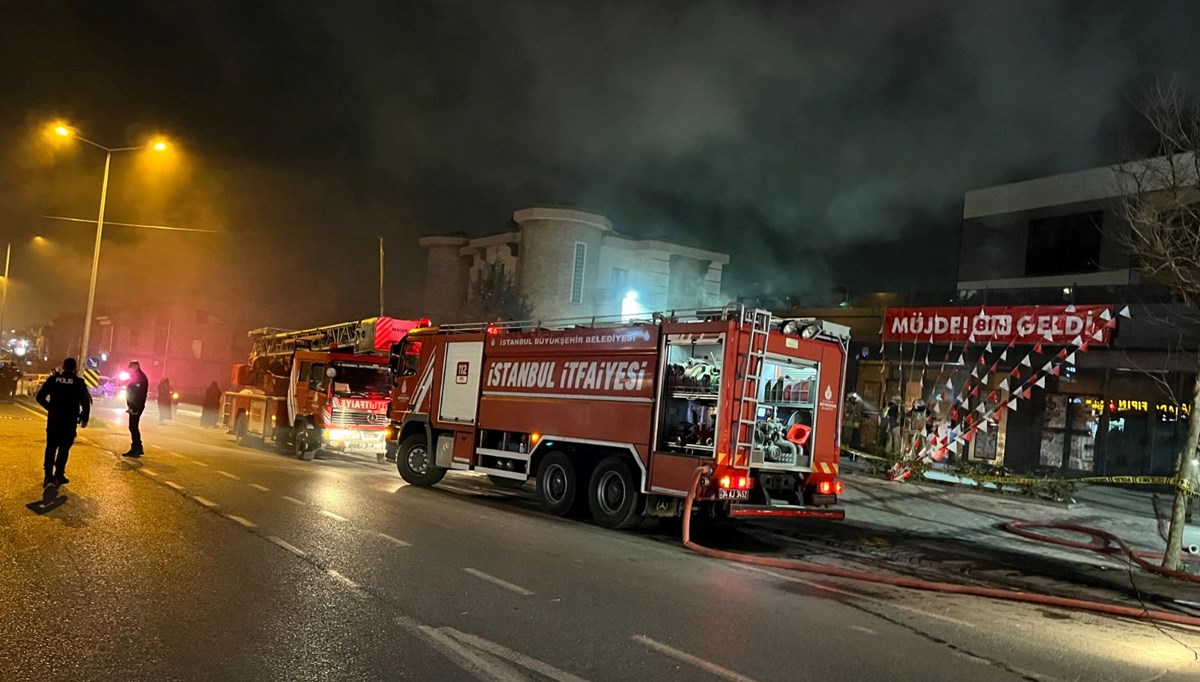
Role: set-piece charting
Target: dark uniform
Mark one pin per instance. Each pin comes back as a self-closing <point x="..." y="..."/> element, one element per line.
<point x="67" y="402"/>
<point x="135" y="399"/>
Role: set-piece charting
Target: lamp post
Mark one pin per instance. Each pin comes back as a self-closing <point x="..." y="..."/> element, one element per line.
<point x="158" y="146"/>
<point x="4" y="295"/>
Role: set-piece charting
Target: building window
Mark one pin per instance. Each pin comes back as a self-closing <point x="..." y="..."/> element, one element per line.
<point x="577" y="272"/>
<point x="1064" y="245"/>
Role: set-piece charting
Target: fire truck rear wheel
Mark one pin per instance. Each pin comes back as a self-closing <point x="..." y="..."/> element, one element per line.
<point x="557" y="485"/>
<point x="613" y="495"/>
<point x="415" y="462"/>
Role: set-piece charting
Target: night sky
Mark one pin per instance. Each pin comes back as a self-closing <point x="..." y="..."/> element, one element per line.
<point x="823" y="144"/>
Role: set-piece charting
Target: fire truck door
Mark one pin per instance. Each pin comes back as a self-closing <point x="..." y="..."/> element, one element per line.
<point x="460" y="382"/>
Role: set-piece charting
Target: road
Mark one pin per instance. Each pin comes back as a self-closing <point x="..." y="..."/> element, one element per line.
<point x="205" y="560"/>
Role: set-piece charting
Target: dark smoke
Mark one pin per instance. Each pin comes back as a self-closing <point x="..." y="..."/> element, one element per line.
<point x="824" y="144"/>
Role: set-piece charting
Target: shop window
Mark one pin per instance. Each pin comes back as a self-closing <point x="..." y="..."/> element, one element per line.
<point x="1070" y="426"/>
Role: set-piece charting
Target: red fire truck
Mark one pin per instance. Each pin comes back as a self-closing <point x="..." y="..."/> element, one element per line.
<point x="313" y="389"/>
<point x="617" y="417"/>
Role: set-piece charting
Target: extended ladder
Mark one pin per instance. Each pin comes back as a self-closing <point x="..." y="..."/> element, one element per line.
<point x="358" y="336"/>
<point x="759" y="321"/>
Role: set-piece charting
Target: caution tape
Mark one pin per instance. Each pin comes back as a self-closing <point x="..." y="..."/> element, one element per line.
<point x="1173" y="481"/>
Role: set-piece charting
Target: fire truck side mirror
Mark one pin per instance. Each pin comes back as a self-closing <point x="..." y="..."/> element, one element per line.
<point x="330" y="372"/>
<point x="398" y="361"/>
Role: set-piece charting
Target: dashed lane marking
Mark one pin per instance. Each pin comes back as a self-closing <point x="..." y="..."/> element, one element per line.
<point x="149" y="472"/>
<point x="499" y="582"/>
<point x="479" y="665"/>
<point x="707" y="666"/>
<point x="506" y="654"/>
<point x="204" y="501"/>
<point x="247" y="523"/>
<point x="197" y="462"/>
<point x="347" y="582"/>
<point x="287" y="546"/>
<point x="174" y="485"/>
<point x="860" y="628"/>
<point x="395" y="541"/>
<point x="293" y="500"/>
<point x="226" y="474"/>
<point x="335" y="517"/>
<point x="263" y="488"/>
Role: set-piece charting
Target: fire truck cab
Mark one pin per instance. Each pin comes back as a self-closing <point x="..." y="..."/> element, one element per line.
<point x="308" y="390"/>
<point x="617" y="417"/>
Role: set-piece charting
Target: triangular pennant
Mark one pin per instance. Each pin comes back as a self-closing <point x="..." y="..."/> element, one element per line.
<point x="971" y="338"/>
<point x="1046" y="367"/>
<point x="983" y="426"/>
<point x="1125" y="312"/>
<point x="993" y="396"/>
<point x="974" y="391"/>
<point x="1041" y="382"/>
<point x="1070" y="358"/>
<point x="1012" y="404"/>
<point x="974" y="372"/>
<point x="1057" y="371"/>
<point x="982" y="359"/>
<point x="1027" y="394"/>
<point x="1098" y="336"/>
<point x="1025" y="362"/>
<point x="1016" y="372"/>
<point x="988" y="348"/>
<point x="1048" y="336"/>
<point x="1111" y="324"/>
<point x="1062" y="354"/>
<point x="1004" y="384"/>
<point x="1084" y="347"/>
<point x="1071" y="308"/>
<point x="950" y="384"/>
<point x="1004" y="354"/>
<point x="1105" y="315"/>
<point x="1077" y="341"/>
<point x="1037" y="348"/>
<point x="954" y="446"/>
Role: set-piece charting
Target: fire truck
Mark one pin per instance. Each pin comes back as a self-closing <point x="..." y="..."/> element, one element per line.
<point x="616" y="417"/>
<point x="325" y="388"/>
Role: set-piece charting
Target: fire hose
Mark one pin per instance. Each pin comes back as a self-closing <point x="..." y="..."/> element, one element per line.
<point x="925" y="585"/>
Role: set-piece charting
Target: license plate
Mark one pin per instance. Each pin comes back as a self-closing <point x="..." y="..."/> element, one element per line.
<point x="819" y="499"/>
<point x="364" y="446"/>
<point x="723" y="494"/>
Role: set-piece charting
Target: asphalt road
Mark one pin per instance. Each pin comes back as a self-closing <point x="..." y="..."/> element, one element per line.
<point x="209" y="561"/>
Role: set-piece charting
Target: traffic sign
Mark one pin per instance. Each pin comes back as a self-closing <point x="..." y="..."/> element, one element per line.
<point x="93" y="363"/>
<point x="91" y="377"/>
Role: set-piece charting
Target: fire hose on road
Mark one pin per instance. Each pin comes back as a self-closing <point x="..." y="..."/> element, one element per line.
<point x="934" y="586"/>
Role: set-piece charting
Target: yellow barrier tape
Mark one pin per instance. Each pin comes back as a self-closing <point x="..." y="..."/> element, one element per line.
<point x="1173" y="481"/>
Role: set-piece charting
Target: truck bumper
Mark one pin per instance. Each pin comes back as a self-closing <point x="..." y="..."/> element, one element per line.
<point x="744" y="511"/>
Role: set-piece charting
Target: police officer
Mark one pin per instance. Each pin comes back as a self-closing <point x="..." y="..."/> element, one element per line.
<point x="67" y="403"/>
<point x="135" y="400"/>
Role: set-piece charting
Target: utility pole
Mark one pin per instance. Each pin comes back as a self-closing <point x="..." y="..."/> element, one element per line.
<point x="87" y="317"/>
<point x="381" y="276"/>
<point x="4" y="296"/>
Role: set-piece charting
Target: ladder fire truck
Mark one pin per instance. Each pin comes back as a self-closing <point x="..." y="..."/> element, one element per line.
<point x="616" y="417"/>
<point x="313" y="389"/>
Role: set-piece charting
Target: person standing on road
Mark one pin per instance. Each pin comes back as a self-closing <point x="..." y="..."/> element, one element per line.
<point x="212" y="406"/>
<point x="67" y="403"/>
<point x="164" y="400"/>
<point x="135" y="400"/>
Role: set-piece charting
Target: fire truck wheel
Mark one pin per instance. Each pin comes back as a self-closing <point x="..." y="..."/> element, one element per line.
<point x="557" y="485"/>
<point x="613" y="495"/>
<point x="415" y="462"/>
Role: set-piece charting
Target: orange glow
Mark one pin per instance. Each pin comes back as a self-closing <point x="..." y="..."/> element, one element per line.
<point x="535" y="437"/>
<point x="825" y="487"/>
<point x="837" y="487"/>
<point x="62" y="131"/>
<point x="724" y="482"/>
<point x="159" y="145"/>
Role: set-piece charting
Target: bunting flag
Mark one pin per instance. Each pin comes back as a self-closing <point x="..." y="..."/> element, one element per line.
<point x="1056" y="371"/>
<point x="983" y="426"/>
<point x="1027" y="394"/>
<point x="1025" y="362"/>
<point x="1016" y="372"/>
<point x="1041" y="382"/>
<point x="950" y="384"/>
<point x="1077" y="341"/>
<point x="1105" y="315"/>
<point x="1004" y="354"/>
<point x="1012" y="404"/>
<point x="1004" y="384"/>
<point x="1038" y="348"/>
<point x="981" y="409"/>
<point x="982" y="359"/>
<point x="1125" y="312"/>
<point x="988" y="348"/>
<point x="1099" y="335"/>
<point x="1070" y="359"/>
<point x="1048" y="366"/>
<point x="1062" y="354"/>
<point x="974" y="372"/>
<point x="1048" y="336"/>
<point x="1071" y="308"/>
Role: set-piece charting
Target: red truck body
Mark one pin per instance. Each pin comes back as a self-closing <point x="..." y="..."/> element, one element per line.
<point x="617" y="418"/>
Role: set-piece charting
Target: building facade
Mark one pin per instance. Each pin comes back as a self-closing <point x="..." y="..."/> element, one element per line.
<point x="571" y="263"/>
<point x="183" y="340"/>
<point x="1047" y="248"/>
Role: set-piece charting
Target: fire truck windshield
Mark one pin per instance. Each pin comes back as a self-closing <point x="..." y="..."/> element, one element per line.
<point x="362" y="379"/>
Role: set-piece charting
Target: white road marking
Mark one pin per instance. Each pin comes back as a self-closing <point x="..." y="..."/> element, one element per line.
<point x="226" y="474"/>
<point x="707" y="666"/>
<point x="197" y="462"/>
<point x="393" y="540"/>
<point x="286" y="545"/>
<point x="149" y="472"/>
<point x="527" y="662"/>
<point x="174" y="485"/>
<point x="244" y="522"/>
<point x="335" y="517"/>
<point x="478" y="664"/>
<point x="263" y="488"/>
<point x="204" y="501"/>
<point x="859" y="628"/>
<point x="347" y="582"/>
<point x="862" y="597"/>
<point x="497" y="581"/>
<point x="293" y="500"/>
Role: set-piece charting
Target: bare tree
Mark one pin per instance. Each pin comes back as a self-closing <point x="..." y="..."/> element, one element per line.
<point x="1162" y="207"/>
<point x="494" y="296"/>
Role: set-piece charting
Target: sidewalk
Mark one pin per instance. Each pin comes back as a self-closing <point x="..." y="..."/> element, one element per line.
<point x="955" y="534"/>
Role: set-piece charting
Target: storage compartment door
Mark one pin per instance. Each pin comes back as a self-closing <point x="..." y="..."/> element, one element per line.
<point x="460" y="382"/>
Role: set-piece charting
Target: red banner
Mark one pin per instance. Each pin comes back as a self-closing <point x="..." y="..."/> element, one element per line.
<point x="1056" y="325"/>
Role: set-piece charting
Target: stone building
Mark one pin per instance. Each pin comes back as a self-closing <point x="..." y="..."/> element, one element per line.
<point x="572" y="263"/>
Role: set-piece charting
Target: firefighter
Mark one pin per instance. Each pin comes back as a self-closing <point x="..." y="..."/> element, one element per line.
<point x="67" y="403"/>
<point x="853" y="421"/>
<point x="135" y="400"/>
<point x="165" y="402"/>
<point x="212" y="406"/>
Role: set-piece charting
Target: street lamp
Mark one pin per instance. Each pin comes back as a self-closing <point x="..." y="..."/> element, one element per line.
<point x="159" y="145"/>
<point x="4" y="291"/>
